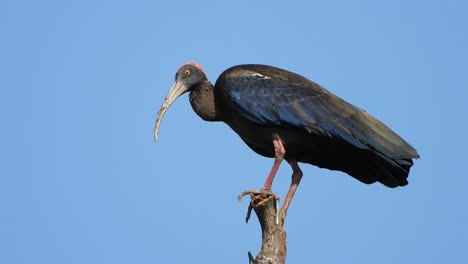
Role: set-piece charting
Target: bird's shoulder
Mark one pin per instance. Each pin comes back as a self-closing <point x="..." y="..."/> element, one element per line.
<point x="257" y="76"/>
<point x="269" y="94"/>
<point x="263" y="84"/>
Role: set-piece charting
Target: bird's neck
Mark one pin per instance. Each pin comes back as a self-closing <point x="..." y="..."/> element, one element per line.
<point x="203" y="102"/>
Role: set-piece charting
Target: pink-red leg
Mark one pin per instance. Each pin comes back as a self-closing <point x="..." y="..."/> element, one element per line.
<point x="279" y="155"/>
<point x="296" y="179"/>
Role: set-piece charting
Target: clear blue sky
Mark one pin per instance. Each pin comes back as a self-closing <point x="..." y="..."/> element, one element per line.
<point x="82" y="181"/>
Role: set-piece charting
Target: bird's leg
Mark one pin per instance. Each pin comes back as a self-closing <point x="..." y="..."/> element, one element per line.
<point x="279" y="155"/>
<point x="296" y="179"/>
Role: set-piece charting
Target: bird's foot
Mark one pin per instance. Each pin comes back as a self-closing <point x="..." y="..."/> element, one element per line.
<point x="259" y="195"/>
<point x="283" y="213"/>
<point x="258" y="198"/>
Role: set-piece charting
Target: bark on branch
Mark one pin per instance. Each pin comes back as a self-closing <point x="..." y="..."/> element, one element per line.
<point x="273" y="250"/>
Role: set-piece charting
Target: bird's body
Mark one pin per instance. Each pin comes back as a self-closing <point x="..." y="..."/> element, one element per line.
<point x="281" y="114"/>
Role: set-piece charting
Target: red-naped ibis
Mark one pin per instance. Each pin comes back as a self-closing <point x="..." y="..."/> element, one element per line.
<point x="283" y="115"/>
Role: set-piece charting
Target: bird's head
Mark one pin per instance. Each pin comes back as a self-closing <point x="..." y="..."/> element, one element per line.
<point x="186" y="79"/>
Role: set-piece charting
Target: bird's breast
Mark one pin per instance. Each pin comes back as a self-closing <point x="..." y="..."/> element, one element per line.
<point x="259" y="138"/>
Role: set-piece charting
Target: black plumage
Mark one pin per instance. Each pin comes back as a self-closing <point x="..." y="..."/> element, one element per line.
<point x="272" y="109"/>
<point x="333" y="133"/>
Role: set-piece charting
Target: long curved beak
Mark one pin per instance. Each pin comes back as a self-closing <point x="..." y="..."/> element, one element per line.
<point x="177" y="89"/>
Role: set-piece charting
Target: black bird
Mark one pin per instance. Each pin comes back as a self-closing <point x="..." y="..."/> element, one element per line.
<point x="283" y="115"/>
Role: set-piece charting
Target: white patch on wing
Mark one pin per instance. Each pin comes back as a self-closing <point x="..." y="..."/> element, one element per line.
<point x="261" y="76"/>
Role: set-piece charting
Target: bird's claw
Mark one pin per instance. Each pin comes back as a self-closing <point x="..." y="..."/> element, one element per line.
<point x="266" y="193"/>
<point x="258" y="198"/>
<point x="283" y="213"/>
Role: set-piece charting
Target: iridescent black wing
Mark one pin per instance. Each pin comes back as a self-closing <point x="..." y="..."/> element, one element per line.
<point x="271" y="96"/>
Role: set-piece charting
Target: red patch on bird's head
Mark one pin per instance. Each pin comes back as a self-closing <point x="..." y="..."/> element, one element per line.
<point x="194" y="64"/>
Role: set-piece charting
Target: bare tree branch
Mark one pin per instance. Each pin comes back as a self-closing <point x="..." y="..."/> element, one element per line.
<point x="273" y="250"/>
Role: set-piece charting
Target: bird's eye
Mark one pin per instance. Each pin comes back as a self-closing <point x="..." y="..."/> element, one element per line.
<point x="187" y="72"/>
